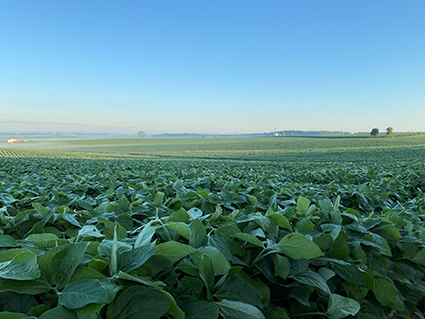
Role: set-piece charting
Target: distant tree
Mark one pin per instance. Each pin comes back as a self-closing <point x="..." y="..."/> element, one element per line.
<point x="141" y="134"/>
<point x="375" y="132"/>
<point x="389" y="131"/>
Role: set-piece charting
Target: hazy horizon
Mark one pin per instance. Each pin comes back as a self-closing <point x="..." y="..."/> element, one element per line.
<point x="212" y="67"/>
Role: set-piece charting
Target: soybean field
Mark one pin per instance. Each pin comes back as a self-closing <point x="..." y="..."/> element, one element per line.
<point x="247" y="228"/>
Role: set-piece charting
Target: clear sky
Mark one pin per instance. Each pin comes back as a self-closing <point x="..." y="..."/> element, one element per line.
<point x="217" y="66"/>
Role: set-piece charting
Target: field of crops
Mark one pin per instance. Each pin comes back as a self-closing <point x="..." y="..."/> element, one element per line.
<point x="303" y="228"/>
<point x="293" y="149"/>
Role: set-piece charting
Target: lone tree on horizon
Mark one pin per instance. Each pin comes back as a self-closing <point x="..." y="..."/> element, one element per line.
<point x="141" y="134"/>
<point x="375" y="132"/>
<point x="389" y="131"/>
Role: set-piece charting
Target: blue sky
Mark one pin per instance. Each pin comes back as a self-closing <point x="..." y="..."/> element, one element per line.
<point x="214" y="66"/>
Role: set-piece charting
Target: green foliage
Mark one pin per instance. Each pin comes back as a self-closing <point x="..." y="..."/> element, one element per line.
<point x="94" y="239"/>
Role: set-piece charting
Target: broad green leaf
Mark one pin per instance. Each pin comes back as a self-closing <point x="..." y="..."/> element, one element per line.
<point x="145" y="236"/>
<point x="139" y="302"/>
<point x="298" y="246"/>
<point x="206" y="272"/>
<point x="159" y="197"/>
<point x="87" y="273"/>
<point x="304" y="225"/>
<point x="173" y="250"/>
<point x="105" y="248"/>
<point x="341" y="307"/>
<point x="339" y="249"/>
<point x="181" y="228"/>
<point x="386" y="293"/>
<point x="59" y="312"/>
<point x="12" y="315"/>
<point x="240" y="287"/>
<point x="201" y="310"/>
<point x="91" y="311"/>
<point x="174" y="310"/>
<point x="38" y="310"/>
<point x="281" y="265"/>
<point x="59" y="263"/>
<point x="350" y="273"/>
<point x="28" y="287"/>
<point x="238" y="310"/>
<point x="133" y="259"/>
<point x="140" y="280"/>
<point x="123" y="203"/>
<point x="219" y="262"/>
<point x="390" y="232"/>
<point x="41" y="237"/>
<point x="280" y="220"/>
<point x="420" y="257"/>
<point x="253" y="200"/>
<point x="249" y="239"/>
<point x="302" y="204"/>
<point x="180" y="216"/>
<point x="217" y="214"/>
<point x="81" y="293"/>
<point x="377" y="241"/>
<point x="40" y="209"/>
<point x="222" y="244"/>
<point x="326" y="273"/>
<point x="7" y="241"/>
<point x="90" y="231"/>
<point x="198" y="236"/>
<point x="22" y="267"/>
<point x="312" y="279"/>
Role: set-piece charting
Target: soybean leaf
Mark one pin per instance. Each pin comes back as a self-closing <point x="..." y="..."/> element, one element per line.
<point x="134" y="258"/>
<point x="90" y="231"/>
<point x="312" y="279"/>
<point x="219" y="262"/>
<point x="29" y="287"/>
<point x="238" y="310"/>
<point x="140" y="280"/>
<point x="201" y="310"/>
<point x="7" y="241"/>
<point x="298" y="246"/>
<point x="302" y="204"/>
<point x="90" y="311"/>
<point x="174" y="310"/>
<point x="341" y="307"/>
<point x="59" y="312"/>
<point x="240" y="287"/>
<point x="350" y="273"/>
<point x="22" y="267"/>
<point x="206" y="272"/>
<point x="59" y="263"/>
<point x="145" y="236"/>
<point x="81" y="293"/>
<point x="198" y="236"/>
<point x="173" y="250"/>
<point x="386" y="293"/>
<point x="281" y="221"/>
<point x="139" y="302"/>
<point x="249" y="239"/>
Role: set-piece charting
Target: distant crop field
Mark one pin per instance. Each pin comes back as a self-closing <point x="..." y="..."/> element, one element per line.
<point x="293" y="149"/>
